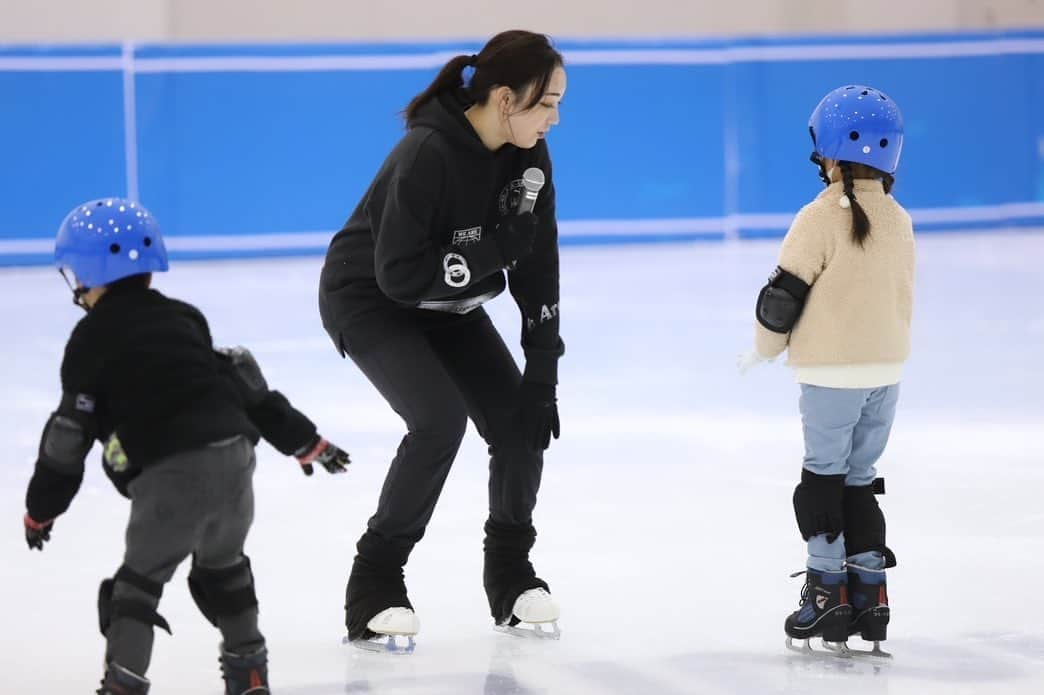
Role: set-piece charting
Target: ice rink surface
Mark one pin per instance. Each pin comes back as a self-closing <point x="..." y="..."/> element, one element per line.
<point x="665" y="519"/>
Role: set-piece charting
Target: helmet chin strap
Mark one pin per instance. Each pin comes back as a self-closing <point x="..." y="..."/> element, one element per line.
<point x="79" y="293"/>
<point x="816" y="159"/>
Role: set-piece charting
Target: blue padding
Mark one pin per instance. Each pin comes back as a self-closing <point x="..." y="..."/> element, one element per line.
<point x="719" y="131"/>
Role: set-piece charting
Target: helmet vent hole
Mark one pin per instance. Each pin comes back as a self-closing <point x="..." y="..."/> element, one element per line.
<point x="865" y="92"/>
<point x="114" y="248"/>
<point x="884" y="142"/>
<point x="854" y="135"/>
<point x="148" y="240"/>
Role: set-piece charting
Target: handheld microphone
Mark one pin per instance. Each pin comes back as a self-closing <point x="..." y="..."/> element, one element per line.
<point x="532" y="182"/>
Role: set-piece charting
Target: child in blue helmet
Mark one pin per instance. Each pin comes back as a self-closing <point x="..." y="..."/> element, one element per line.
<point x="181" y="421"/>
<point x="840" y="303"/>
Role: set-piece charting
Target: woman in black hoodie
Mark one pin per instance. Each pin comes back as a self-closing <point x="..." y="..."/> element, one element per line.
<point x="401" y="294"/>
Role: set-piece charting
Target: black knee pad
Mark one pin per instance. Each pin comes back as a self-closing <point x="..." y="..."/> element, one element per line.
<point x="818" y="505"/>
<point x="222" y="592"/>
<point x="109" y="608"/>
<point x="105" y="605"/>
<point x="864" y="521"/>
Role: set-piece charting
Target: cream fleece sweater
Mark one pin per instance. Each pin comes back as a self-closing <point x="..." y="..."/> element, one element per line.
<point x="854" y="331"/>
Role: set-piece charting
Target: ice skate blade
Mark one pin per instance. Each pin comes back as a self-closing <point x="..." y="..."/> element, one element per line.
<point x="537" y="631"/>
<point x="875" y="653"/>
<point x="384" y="644"/>
<point x="837" y="650"/>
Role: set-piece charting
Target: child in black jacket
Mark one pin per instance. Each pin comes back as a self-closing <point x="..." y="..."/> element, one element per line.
<point x="141" y="366"/>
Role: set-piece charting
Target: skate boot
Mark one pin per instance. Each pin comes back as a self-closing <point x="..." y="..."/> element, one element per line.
<point x="245" y="674"/>
<point x="516" y="595"/>
<point x="870" y="612"/>
<point x="378" y="613"/>
<point x="534" y="607"/>
<point x="824" y="611"/>
<point x="391" y="631"/>
<point x="121" y="681"/>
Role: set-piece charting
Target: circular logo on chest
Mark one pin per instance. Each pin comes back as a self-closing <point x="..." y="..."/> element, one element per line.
<point x="458" y="274"/>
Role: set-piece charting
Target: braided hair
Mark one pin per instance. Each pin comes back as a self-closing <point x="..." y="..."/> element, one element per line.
<point x="860" y="222"/>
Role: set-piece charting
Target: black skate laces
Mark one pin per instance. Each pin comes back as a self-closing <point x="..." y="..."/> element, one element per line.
<point x="804" y="588"/>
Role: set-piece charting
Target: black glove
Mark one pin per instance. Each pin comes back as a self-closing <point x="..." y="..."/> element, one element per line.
<point x="327" y="455"/>
<point x="515" y="237"/>
<point x="36" y="532"/>
<point x="538" y="412"/>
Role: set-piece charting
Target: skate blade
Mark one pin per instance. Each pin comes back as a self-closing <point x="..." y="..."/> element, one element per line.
<point x="827" y="652"/>
<point x="875" y="653"/>
<point x="837" y="650"/>
<point x="384" y="644"/>
<point x="537" y="631"/>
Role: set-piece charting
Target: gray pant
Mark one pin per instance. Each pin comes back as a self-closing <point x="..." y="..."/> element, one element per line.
<point x="197" y="502"/>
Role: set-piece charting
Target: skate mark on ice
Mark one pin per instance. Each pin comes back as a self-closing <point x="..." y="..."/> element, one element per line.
<point x="1014" y="643"/>
<point x="765" y="672"/>
<point x="950" y="662"/>
<point x="499" y="682"/>
<point x="615" y="678"/>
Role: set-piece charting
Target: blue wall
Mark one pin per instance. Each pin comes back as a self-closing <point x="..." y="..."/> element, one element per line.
<point x="255" y="140"/>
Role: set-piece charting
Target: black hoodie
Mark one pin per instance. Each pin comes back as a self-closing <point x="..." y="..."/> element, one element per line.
<point x="439" y="198"/>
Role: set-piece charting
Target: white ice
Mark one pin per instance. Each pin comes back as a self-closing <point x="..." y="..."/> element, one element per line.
<point x="665" y="520"/>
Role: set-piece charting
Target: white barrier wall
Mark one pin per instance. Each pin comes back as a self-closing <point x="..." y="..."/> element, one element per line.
<point x="38" y="21"/>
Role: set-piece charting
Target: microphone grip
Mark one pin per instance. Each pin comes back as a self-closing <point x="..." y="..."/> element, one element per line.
<point x="528" y="201"/>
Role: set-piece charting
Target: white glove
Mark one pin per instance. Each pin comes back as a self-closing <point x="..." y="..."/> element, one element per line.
<point x="746" y="360"/>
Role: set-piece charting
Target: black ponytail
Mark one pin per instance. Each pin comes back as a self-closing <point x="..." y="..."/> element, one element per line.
<point x="860" y="222"/>
<point x="449" y="77"/>
<point x="517" y="59"/>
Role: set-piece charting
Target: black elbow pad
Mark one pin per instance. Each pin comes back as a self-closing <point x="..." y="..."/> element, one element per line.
<point x="781" y="301"/>
<point x="65" y="444"/>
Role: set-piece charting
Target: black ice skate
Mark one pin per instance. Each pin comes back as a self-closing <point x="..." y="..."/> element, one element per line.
<point x="870" y="612"/>
<point x="245" y="674"/>
<point x="121" y="681"/>
<point x="824" y="612"/>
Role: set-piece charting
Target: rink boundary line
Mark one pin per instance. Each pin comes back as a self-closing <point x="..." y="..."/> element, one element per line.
<point x="577" y="57"/>
<point x="696" y="227"/>
<point x="62" y="64"/>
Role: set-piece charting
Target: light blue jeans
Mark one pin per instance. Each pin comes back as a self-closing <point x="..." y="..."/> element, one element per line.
<point x="846" y="431"/>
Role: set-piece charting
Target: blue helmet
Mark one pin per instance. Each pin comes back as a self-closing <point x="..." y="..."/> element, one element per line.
<point x="104" y="240"/>
<point x="858" y="124"/>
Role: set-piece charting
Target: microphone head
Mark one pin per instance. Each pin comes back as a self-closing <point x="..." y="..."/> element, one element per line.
<point x="533" y="179"/>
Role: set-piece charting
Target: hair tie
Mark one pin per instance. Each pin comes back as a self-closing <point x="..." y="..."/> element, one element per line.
<point x="844" y="201"/>
<point x="466" y="75"/>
